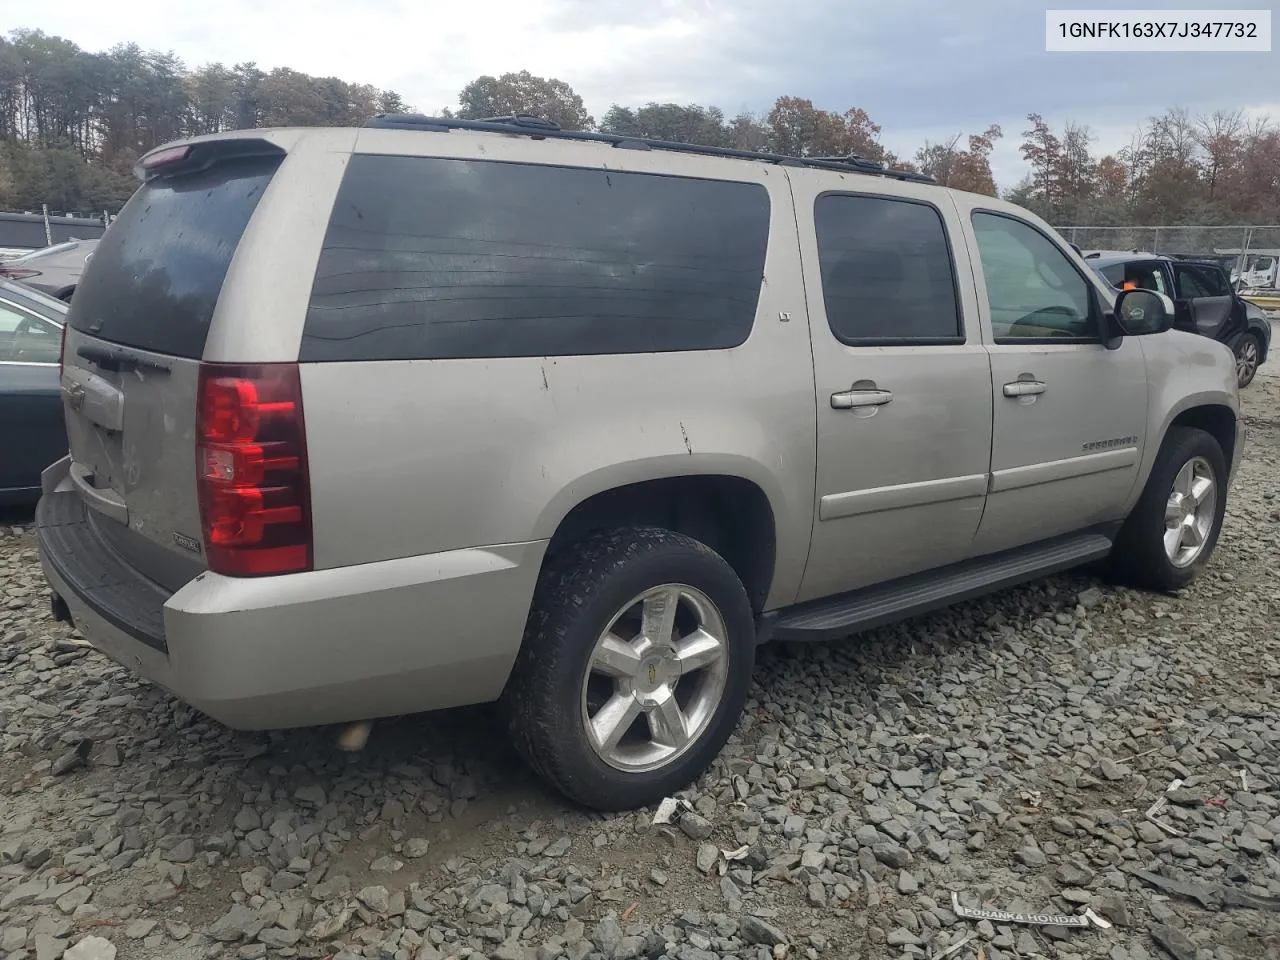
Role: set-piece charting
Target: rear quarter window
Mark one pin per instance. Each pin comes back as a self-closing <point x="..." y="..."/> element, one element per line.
<point x="432" y="258"/>
<point x="156" y="274"/>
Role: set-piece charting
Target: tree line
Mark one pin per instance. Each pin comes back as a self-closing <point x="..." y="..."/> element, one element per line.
<point x="72" y="123"/>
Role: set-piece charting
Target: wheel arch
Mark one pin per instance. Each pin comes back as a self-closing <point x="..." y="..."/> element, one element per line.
<point x="729" y="512"/>
<point x="1217" y="420"/>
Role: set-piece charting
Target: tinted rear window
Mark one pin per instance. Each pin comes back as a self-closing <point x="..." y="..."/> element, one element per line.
<point x="434" y="258"/>
<point x="155" y="276"/>
<point x="886" y="270"/>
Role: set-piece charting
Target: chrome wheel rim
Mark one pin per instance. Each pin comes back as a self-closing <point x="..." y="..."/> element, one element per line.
<point x="1190" y="512"/>
<point x="1246" y="361"/>
<point x="655" y="678"/>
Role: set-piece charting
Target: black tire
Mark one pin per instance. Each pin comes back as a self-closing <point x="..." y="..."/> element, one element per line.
<point x="1139" y="557"/>
<point x="1249" y="345"/>
<point x="578" y="594"/>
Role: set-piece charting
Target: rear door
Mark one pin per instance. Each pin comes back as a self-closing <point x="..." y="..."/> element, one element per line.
<point x="136" y="334"/>
<point x="1205" y="297"/>
<point x="903" y="384"/>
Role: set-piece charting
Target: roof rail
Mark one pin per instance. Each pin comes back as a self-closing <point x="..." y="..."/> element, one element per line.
<point x="539" y="128"/>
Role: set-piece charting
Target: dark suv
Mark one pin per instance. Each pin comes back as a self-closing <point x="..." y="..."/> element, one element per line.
<point x="1204" y="300"/>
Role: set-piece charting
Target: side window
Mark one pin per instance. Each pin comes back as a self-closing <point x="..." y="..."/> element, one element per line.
<point x="1145" y="276"/>
<point x="1195" y="281"/>
<point x="25" y="338"/>
<point x="1033" y="290"/>
<point x="1114" y="274"/>
<point x="433" y="258"/>
<point x="37" y="341"/>
<point x="886" y="269"/>
<point x="9" y="320"/>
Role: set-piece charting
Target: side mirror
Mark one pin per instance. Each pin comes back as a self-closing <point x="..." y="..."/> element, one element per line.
<point x="1139" y="312"/>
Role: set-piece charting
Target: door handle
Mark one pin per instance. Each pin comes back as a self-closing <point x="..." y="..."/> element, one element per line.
<point x="1024" y="388"/>
<point x="854" y="399"/>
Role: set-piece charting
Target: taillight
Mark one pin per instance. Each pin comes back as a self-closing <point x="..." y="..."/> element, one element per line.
<point x="251" y="468"/>
<point x="62" y="350"/>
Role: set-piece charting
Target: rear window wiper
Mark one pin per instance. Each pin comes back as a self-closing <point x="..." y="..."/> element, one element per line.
<point x="115" y="360"/>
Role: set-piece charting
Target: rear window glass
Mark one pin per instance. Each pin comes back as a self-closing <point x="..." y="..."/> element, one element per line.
<point x="433" y="258"/>
<point x="886" y="270"/>
<point x="155" y="276"/>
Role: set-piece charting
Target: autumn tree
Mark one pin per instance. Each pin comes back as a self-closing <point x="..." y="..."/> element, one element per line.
<point x="1253" y="188"/>
<point x="1077" y="170"/>
<point x="1219" y="136"/>
<point x="747" y="131"/>
<point x="514" y="93"/>
<point x="73" y="122"/>
<point x="690" y="123"/>
<point x="211" y="98"/>
<point x="1112" y="178"/>
<point x="967" y="169"/>
<point x="799" y="129"/>
<point x="1170" y="181"/>
<point x="1043" y="152"/>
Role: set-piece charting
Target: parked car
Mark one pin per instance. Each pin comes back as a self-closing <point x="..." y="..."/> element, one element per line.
<point x="32" y="433"/>
<point x="1204" y="303"/>
<point x="54" y="270"/>
<point x="371" y="421"/>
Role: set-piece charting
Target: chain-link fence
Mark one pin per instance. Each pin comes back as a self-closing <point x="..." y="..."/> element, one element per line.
<point x="1258" y="245"/>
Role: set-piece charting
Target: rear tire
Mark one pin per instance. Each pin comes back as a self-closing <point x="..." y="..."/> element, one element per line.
<point x="1171" y="533"/>
<point x="1248" y="353"/>
<point x="635" y="667"/>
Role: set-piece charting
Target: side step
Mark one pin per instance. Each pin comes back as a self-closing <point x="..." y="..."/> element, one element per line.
<point x="833" y="617"/>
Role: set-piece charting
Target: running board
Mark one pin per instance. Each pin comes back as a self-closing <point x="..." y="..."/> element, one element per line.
<point x="839" y="616"/>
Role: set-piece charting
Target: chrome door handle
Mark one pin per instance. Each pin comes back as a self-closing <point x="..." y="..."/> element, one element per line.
<point x="853" y="399"/>
<point x="1024" y="388"/>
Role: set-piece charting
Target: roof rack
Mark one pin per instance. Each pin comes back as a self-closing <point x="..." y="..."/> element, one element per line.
<point x="539" y="128"/>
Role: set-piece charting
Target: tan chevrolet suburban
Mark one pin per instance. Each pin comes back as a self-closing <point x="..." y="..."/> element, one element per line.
<point x="372" y="421"/>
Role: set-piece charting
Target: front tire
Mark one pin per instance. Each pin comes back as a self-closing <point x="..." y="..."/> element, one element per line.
<point x="1248" y="355"/>
<point x="635" y="667"/>
<point x="1170" y="535"/>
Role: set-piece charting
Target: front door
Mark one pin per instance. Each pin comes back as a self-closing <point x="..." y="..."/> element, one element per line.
<point x="903" y="387"/>
<point x="1069" y="413"/>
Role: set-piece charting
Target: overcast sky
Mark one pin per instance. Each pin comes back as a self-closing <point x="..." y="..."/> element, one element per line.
<point x="923" y="69"/>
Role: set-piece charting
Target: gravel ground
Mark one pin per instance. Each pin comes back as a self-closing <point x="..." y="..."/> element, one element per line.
<point x="1005" y="750"/>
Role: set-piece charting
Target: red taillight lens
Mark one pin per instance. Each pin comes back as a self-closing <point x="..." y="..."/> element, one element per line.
<point x="165" y="157"/>
<point x="251" y="467"/>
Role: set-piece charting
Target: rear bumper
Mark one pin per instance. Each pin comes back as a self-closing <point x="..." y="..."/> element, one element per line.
<point x="379" y="639"/>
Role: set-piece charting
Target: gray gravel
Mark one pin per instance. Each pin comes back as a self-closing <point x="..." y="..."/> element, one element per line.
<point x="1005" y="750"/>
